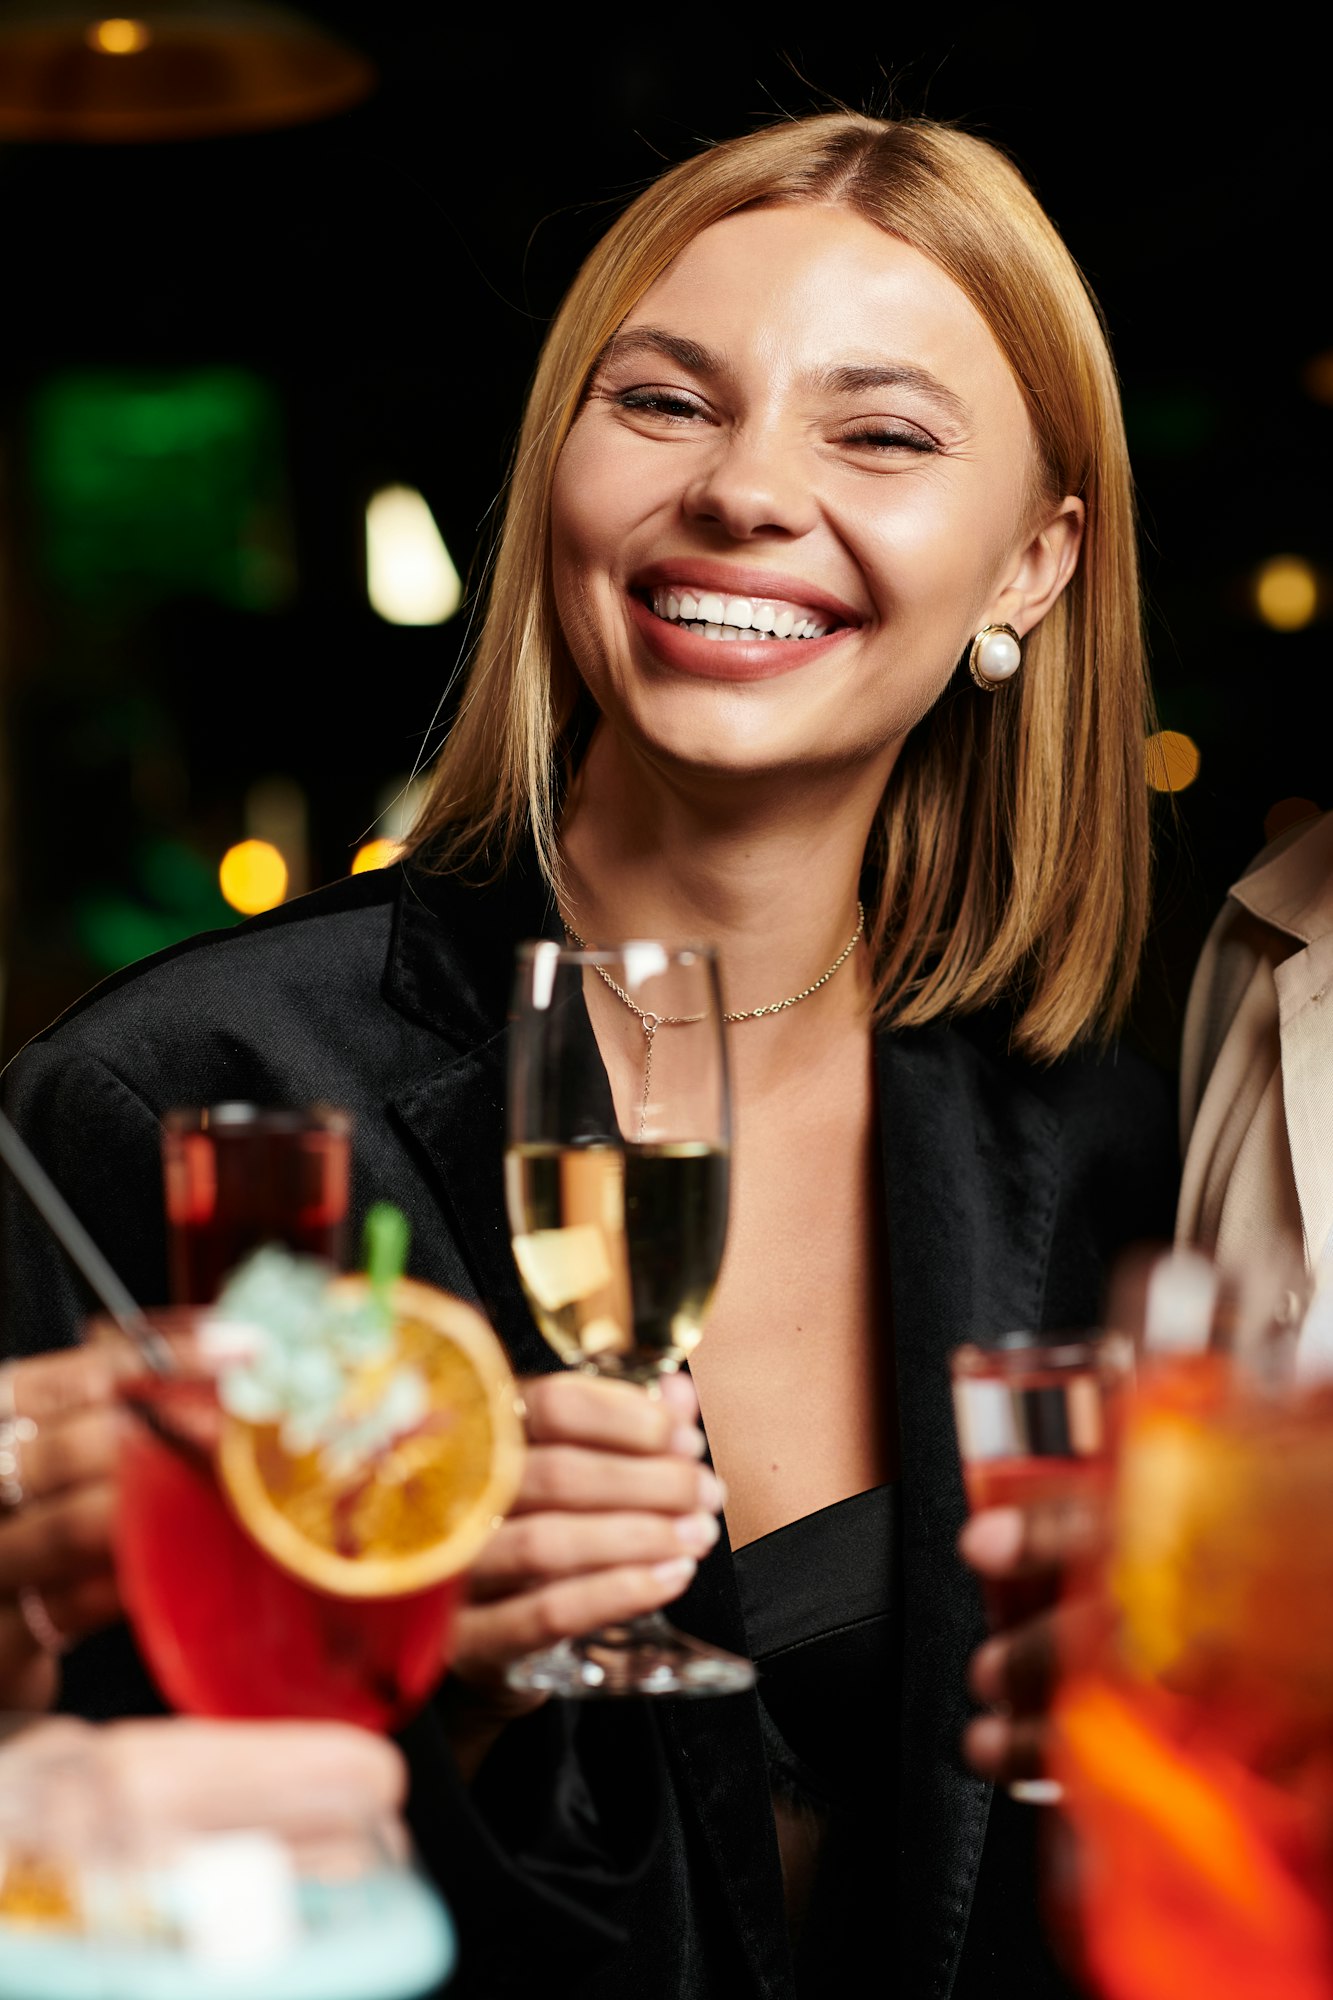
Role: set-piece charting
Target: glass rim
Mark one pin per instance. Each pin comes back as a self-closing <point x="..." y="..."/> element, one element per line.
<point x="140" y="1395"/>
<point x="131" y="1369"/>
<point x="240" y="1115"/>
<point x="1062" y="1352"/>
<point x="531" y="949"/>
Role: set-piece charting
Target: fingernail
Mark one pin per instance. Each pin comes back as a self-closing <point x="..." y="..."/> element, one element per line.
<point x="985" y="1675"/>
<point x="697" y="1532"/>
<point x="985" y="1744"/>
<point x="712" y="1493"/>
<point x="992" y="1538"/>
<point x="687" y="1440"/>
<point x="676" y="1573"/>
<point x="677" y="1392"/>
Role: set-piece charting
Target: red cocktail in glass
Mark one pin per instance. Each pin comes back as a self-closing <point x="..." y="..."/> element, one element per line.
<point x="241" y="1175"/>
<point x="1022" y="1482"/>
<point x="225" y="1629"/>
<point x="1035" y="1424"/>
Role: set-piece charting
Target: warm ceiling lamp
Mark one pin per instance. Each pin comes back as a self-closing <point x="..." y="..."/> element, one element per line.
<point x="170" y="69"/>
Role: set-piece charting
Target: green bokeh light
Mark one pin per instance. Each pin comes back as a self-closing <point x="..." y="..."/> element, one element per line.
<point x="152" y="487"/>
<point x="177" y="896"/>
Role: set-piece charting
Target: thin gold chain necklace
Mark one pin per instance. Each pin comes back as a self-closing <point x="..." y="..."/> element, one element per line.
<point x="651" y="1022"/>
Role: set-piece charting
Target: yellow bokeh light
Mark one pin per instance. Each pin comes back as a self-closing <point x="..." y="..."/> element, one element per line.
<point x="253" y="876"/>
<point x="118" y="36"/>
<point x="1172" y="760"/>
<point x="1286" y="593"/>
<point x="375" y="854"/>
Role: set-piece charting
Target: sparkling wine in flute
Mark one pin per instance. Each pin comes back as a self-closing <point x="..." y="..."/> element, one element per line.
<point x="618" y="1248"/>
<point x="617" y="1177"/>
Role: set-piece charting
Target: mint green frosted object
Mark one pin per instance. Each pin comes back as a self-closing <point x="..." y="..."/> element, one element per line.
<point x="386" y="1938"/>
<point x="307" y="1341"/>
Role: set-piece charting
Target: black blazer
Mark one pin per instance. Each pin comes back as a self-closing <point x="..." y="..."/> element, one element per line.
<point x="622" y="1849"/>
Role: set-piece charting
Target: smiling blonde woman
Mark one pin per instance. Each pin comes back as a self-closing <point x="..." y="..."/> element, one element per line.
<point x="1012" y="852"/>
<point x="816" y="589"/>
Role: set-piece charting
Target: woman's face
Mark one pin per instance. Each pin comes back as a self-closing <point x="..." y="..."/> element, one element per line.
<point x="800" y="483"/>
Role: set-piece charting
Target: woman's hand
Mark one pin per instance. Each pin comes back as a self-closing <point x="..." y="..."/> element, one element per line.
<point x="57" y="1579"/>
<point x="614" y="1512"/>
<point x="322" y="1787"/>
<point x="312" y="1783"/>
<point x="1014" y="1672"/>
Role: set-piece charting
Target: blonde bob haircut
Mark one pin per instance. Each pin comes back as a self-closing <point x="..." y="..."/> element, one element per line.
<point x="1009" y="860"/>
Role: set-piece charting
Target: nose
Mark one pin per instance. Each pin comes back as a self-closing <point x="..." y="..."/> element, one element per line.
<point x="752" y="485"/>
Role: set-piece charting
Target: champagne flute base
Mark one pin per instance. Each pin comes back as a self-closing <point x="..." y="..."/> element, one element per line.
<point x="647" y="1656"/>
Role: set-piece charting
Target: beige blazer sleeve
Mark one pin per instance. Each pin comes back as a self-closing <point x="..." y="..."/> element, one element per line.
<point x="1257" y="1062"/>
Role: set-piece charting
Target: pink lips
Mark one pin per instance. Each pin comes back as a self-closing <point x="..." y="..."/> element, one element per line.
<point x="728" y="659"/>
<point x="736" y="659"/>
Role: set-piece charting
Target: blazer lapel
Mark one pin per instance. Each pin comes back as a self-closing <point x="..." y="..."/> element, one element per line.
<point x="1307" y="1086"/>
<point x="971" y="1179"/>
<point x="451" y="965"/>
<point x="457" y="1120"/>
<point x="717" y="1746"/>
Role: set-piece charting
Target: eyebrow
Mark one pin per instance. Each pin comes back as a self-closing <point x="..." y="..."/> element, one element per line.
<point x="857" y="379"/>
<point x="848" y="379"/>
<point x="652" y="339"/>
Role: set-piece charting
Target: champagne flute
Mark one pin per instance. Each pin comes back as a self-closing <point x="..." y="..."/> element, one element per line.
<point x="618" y="1214"/>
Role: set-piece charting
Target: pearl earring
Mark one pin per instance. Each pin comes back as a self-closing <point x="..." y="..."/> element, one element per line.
<point x="995" y="657"/>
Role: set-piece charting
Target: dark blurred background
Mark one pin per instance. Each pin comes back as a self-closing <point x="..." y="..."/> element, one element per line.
<point x="217" y="349"/>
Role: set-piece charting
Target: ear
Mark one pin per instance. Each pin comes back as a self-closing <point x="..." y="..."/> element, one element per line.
<point x="1042" y="568"/>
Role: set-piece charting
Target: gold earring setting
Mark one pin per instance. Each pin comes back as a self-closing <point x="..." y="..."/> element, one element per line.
<point x="996" y="656"/>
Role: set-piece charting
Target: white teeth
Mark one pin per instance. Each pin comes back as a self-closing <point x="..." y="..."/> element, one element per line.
<point x="729" y="617"/>
<point x="724" y="632"/>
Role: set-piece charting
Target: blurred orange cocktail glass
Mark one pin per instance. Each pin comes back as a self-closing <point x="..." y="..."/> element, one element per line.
<point x="1197" y="1755"/>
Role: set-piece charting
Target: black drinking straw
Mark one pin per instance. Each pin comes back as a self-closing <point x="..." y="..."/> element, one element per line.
<point x="65" y="1226"/>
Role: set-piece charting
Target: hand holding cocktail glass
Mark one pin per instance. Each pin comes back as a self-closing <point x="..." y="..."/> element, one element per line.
<point x="176" y="1856"/>
<point x="617" y="1173"/>
<point x="1035" y="1420"/>
<point x="291" y="1516"/>
<point x="234" y="1175"/>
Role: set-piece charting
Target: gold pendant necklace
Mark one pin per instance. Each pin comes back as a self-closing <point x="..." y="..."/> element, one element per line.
<point x="651" y="1022"/>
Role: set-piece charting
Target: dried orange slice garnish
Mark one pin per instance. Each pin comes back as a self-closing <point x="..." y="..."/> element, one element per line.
<point x="416" y="1508"/>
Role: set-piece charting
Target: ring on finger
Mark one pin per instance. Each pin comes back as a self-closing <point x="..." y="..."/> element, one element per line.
<point x="40" y="1623"/>
<point x="15" y="1431"/>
